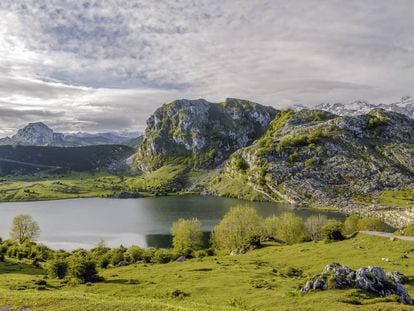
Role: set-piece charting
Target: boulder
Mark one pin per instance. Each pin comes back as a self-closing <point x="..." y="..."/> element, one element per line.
<point x="370" y="279"/>
<point x="181" y="259"/>
<point x="123" y="263"/>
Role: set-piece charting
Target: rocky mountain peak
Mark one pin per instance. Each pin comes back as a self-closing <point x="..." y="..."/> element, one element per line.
<point x="34" y="134"/>
<point x="201" y="133"/>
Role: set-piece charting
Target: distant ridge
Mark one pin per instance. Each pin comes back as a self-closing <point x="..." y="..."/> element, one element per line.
<point x="39" y="134"/>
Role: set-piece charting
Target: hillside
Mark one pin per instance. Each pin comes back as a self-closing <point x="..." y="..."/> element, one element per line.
<point x="17" y="160"/>
<point x="199" y="133"/>
<point x="315" y="158"/>
<point x="264" y="279"/>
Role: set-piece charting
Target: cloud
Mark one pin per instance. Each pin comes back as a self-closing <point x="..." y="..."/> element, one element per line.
<point x="106" y="65"/>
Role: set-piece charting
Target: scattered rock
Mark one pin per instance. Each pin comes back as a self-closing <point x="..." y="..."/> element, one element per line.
<point x="178" y="293"/>
<point x="404" y="256"/>
<point x="385" y="259"/>
<point x="370" y="279"/>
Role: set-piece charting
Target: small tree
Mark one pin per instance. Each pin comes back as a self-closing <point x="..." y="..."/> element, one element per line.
<point x="314" y="224"/>
<point x="237" y="229"/>
<point x="24" y="228"/>
<point x="187" y="235"/>
<point x="290" y="228"/>
<point x="351" y="224"/>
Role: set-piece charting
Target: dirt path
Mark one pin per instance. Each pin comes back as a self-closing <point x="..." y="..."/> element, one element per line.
<point x="389" y="235"/>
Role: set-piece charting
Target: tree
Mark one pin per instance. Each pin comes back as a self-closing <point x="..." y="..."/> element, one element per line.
<point x="187" y="235"/>
<point x="290" y="228"/>
<point x="314" y="224"/>
<point x="351" y="224"/>
<point x="237" y="229"/>
<point x="24" y="228"/>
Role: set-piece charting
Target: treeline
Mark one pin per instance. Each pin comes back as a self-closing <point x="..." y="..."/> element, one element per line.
<point x="240" y="230"/>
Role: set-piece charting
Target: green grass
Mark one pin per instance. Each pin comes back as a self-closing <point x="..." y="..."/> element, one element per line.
<point x="257" y="280"/>
<point x="389" y="198"/>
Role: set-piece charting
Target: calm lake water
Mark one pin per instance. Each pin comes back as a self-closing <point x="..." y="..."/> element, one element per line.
<point x="70" y="224"/>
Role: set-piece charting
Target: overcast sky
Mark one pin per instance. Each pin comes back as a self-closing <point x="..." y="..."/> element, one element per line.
<point x="106" y="65"/>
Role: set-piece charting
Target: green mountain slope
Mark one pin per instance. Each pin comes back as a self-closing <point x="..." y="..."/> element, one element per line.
<point x="317" y="158"/>
<point x="29" y="159"/>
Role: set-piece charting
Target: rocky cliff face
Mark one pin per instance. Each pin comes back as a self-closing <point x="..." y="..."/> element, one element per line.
<point x="199" y="133"/>
<point x="318" y="158"/>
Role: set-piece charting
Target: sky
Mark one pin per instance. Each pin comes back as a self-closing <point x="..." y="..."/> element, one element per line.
<point x="107" y="65"/>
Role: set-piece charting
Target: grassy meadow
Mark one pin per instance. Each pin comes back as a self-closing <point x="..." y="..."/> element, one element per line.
<point x="265" y="279"/>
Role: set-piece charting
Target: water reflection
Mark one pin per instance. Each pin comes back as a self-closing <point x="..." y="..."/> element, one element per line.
<point x="146" y="222"/>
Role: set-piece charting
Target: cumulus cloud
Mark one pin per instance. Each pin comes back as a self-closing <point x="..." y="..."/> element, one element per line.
<point x="106" y="65"/>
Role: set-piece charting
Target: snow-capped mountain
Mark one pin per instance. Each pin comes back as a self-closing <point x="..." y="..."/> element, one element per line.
<point x="39" y="134"/>
<point x="404" y="106"/>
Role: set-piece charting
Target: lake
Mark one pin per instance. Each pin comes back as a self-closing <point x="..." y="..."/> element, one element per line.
<point x="75" y="223"/>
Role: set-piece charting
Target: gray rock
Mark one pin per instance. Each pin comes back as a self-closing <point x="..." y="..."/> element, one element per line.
<point x="320" y="284"/>
<point x="308" y="286"/>
<point x="370" y="279"/>
<point x="123" y="263"/>
<point x="397" y="277"/>
<point x="374" y="280"/>
<point x="181" y="259"/>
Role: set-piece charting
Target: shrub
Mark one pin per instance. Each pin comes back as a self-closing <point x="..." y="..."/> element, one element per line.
<point x="148" y="254"/>
<point x="1" y="257"/>
<point x="162" y="256"/>
<point x="117" y="255"/>
<point x="187" y="235"/>
<point x="332" y="230"/>
<point x="57" y="268"/>
<point x="134" y="254"/>
<point x="83" y="269"/>
<point x="236" y="229"/>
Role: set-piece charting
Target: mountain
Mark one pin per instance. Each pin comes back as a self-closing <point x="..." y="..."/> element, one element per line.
<point x="39" y="134"/>
<point x="316" y="158"/>
<point x="20" y="160"/>
<point x="404" y="106"/>
<point x="199" y="133"/>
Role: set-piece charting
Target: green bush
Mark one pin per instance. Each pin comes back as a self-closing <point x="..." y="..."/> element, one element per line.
<point x="163" y="256"/>
<point x="134" y="254"/>
<point x="58" y="268"/>
<point x="117" y="255"/>
<point x="83" y="269"/>
<point x="332" y="230"/>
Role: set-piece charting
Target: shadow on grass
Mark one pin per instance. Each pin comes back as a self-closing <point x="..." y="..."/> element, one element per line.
<point x="20" y="268"/>
<point x="122" y="281"/>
